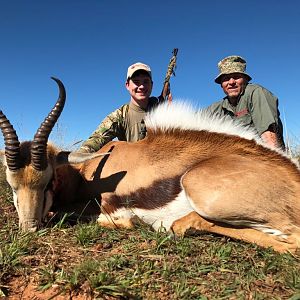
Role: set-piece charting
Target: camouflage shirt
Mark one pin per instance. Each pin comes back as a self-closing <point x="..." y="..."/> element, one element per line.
<point x="257" y="108"/>
<point x="125" y="123"/>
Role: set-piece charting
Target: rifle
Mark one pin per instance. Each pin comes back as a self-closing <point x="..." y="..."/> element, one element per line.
<point x="166" y="92"/>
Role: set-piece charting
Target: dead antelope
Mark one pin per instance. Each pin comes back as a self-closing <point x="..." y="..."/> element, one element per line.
<point x="191" y="171"/>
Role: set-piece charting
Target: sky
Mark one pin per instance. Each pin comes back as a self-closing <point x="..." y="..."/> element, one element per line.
<point x="89" y="44"/>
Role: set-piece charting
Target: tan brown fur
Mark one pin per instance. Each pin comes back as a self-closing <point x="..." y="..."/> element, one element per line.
<point x="256" y="183"/>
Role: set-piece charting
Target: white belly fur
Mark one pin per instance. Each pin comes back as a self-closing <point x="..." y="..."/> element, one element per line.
<point x="158" y="218"/>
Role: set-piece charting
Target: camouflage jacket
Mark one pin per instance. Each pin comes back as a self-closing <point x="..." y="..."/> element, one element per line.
<point x="125" y="123"/>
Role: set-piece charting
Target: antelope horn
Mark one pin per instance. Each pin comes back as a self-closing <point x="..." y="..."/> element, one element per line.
<point x="39" y="143"/>
<point x="12" y="144"/>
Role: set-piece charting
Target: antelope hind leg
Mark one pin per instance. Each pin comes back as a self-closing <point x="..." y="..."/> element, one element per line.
<point x="195" y="221"/>
<point x="239" y="195"/>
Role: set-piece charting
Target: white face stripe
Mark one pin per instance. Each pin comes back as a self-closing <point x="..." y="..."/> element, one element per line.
<point x="43" y="204"/>
<point x="16" y="201"/>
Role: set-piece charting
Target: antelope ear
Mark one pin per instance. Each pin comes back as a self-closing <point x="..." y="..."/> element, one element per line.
<point x="66" y="157"/>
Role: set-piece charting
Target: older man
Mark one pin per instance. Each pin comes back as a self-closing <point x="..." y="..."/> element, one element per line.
<point x="126" y="123"/>
<point x="250" y="104"/>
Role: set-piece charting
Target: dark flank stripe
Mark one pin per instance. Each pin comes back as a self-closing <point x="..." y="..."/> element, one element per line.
<point x="157" y="195"/>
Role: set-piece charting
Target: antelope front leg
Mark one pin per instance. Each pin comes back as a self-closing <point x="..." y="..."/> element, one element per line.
<point x="180" y="226"/>
<point x="117" y="220"/>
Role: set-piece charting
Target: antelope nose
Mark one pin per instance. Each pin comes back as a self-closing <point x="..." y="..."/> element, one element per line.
<point x="31" y="225"/>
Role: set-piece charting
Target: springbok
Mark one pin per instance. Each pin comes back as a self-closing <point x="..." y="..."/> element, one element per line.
<point x="191" y="171"/>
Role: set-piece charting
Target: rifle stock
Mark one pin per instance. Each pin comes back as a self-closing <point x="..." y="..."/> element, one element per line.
<point x="166" y="90"/>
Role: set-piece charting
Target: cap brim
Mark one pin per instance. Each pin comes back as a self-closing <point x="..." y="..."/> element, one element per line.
<point x="218" y="78"/>
<point x="140" y="70"/>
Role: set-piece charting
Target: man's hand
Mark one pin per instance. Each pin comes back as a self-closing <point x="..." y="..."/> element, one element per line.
<point x="270" y="137"/>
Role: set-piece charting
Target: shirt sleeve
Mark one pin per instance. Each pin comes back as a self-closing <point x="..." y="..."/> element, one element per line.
<point x="214" y="109"/>
<point x="264" y="109"/>
<point x="105" y="132"/>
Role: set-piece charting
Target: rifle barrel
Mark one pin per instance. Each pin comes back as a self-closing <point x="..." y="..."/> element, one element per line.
<point x="170" y="71"/>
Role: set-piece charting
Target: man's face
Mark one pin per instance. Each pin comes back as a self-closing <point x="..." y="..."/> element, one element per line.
<point x="139" y="87"/>
<point x="233" y="85"/>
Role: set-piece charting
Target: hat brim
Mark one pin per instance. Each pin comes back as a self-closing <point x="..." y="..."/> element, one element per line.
<point x="219" y="77"/>
<point x="140" y="70"/>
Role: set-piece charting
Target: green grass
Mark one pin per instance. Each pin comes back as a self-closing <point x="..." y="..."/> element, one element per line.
<point x="86" y="260"/>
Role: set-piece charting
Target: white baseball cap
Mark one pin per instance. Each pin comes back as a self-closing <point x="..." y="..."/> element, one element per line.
<point x="136" y="67"/>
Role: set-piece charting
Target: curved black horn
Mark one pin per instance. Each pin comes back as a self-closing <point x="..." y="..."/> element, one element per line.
<point x="39" y="143"/>
<point x="12" y="144"/>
